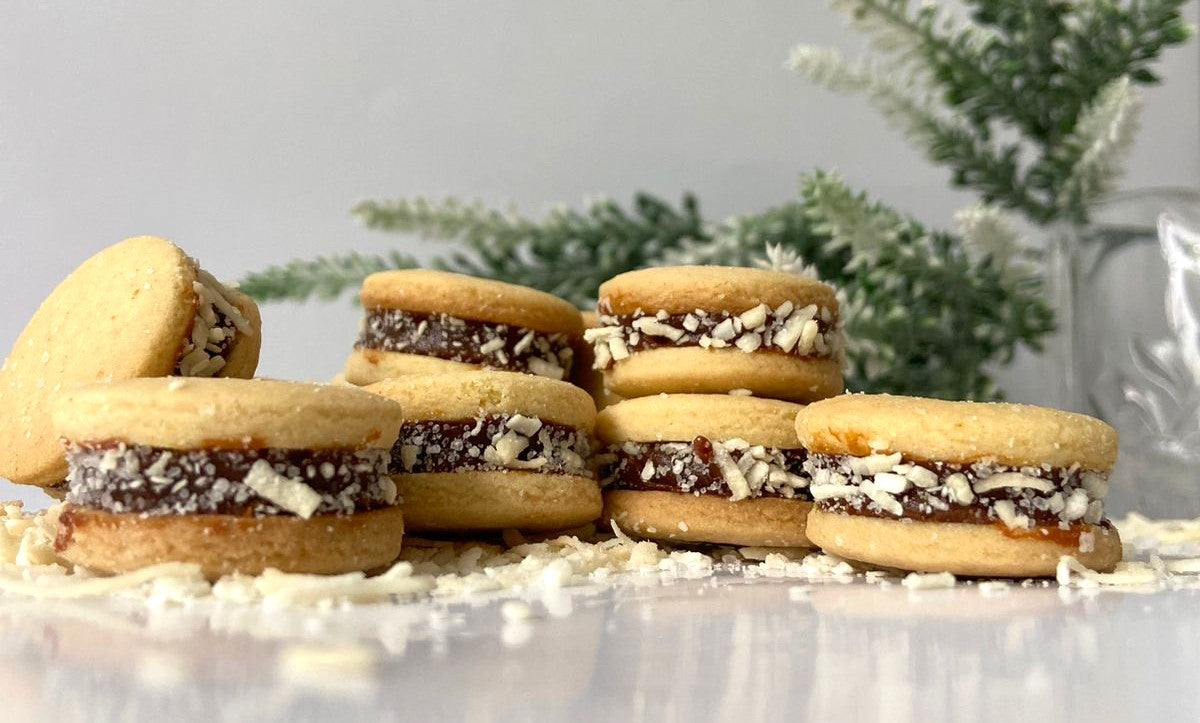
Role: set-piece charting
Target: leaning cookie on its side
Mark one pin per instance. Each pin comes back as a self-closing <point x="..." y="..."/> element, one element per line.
<point x="140" y="308"/>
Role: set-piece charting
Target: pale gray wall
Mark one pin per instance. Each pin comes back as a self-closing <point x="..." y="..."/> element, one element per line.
<point x="246" y="131"/>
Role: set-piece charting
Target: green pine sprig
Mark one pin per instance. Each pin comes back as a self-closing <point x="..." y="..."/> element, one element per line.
<point x="926" y="316"/>
<point x="326" y="277"/>
<point x="1031" y="103"/>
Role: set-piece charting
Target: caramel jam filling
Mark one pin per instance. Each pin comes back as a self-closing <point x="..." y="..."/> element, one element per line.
<point x="495" y="346"/>
<point x="730" y="468"/>
<point x="1018" y="497"/>
<point x="122" y="478"/>
<point x="493" y="442"/>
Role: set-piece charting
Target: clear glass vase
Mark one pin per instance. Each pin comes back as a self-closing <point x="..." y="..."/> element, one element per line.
<point x="1127" y="289"/>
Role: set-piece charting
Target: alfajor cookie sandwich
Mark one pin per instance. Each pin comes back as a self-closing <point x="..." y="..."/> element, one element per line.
<point x="233" y="475"/>
<point x="969" y="488"/>
<point x="141" y="308"/>
<point x="434" y="321"/>
<point x="705" y="468"/>
<point x="716" y="329"/>
<point x="493" y="450"/>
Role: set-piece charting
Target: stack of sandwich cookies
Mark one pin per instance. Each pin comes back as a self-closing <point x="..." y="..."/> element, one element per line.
<point x="141" y="308"/>
<point x="432" y="321"/>
<point x="705" y="468"/>
<point x="713" y="329"/>
<point x="968" y="488"/>
<point x="493" y="450"/>
<point x="233" y="475"/>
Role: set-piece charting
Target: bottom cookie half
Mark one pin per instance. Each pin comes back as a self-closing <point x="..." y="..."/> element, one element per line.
<point x="223" y="544"/>
<point x="681" y="517"/>
<point x="496" y="500"/>
<point x="962" y="548"/>
<point x="692" y="370"/>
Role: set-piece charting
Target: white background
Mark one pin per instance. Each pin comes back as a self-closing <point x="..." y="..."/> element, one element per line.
<point x="246" y="131"/>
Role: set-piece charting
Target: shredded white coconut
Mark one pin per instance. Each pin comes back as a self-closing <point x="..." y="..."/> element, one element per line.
<point x="458" y="570"/>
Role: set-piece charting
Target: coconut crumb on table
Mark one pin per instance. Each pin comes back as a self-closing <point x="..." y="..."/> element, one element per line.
<point x="929" y="581"/>
<point x="455" y="571"/>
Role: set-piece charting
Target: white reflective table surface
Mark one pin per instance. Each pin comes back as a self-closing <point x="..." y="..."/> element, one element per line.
<point x="723" y="648"/>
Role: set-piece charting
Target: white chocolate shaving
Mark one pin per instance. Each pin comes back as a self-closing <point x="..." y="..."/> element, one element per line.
<point x="288" y="494"/>
<point x="1012" y="480"/>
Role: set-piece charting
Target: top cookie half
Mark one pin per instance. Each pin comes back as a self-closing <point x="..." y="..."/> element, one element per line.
<point x="469" y="298"/>
<point x="140" y="308"/>
<point x="956" y="432"/>
<point x="224" y="414"/>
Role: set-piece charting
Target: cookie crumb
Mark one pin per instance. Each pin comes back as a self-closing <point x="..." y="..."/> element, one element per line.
<point x="516" y="610"/>
<point x="993" y="588"/>
<point x="929" y="581"/>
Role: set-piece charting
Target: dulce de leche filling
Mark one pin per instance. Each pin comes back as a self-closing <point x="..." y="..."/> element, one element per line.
<point x="494" y="346"/>
<point x="809" y="332"/>
<point x="215" y="327"/>
<point x="128" y="478"/>
<point x="731" y="468"/>
<point x="1017" y="497"/>
<point x="491" y="442"/>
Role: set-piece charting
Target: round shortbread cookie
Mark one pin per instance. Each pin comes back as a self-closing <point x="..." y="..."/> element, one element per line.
<point x="368" y="366"/>
<point x="124" y="313"/>
<point x="960" y="548"/>
<point x="472" y="298"/>
<point x="176" y="413"/>
<point x="224" y="544"/>
<point x="676" y="517"/>
<point x="496" y="500"/>
<point x="467" y="395"/>
<point x="682" y="289"/>
<point x="693" y="370"/>
<point x="683" y="417"/>
<point x="957" y="432"/>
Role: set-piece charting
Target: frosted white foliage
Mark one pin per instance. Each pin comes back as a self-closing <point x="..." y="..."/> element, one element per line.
<point x="986" y="231"/>
<point x="777" y="257"/>
<point x="1105" y="132"/>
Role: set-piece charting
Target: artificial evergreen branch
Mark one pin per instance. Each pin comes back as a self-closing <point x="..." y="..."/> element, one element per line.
<point x="568" y="253"/>
<point x="1052" y="76"/>
<point x="1095" y="149"/>
<point x="987" y="234"/>
<point x="1031" y="103"/>
<point x="326" y="277"/>
<point x="924" y="315"/>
